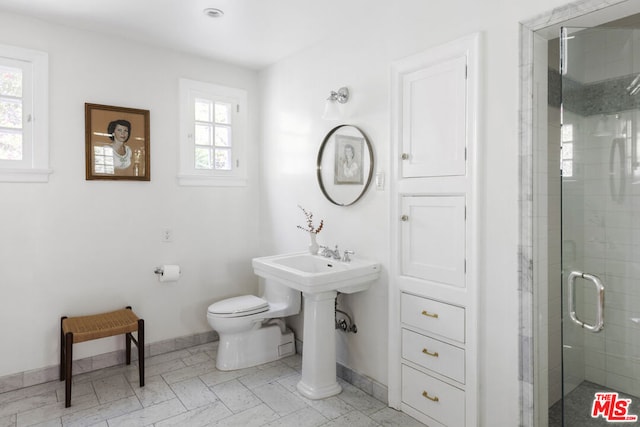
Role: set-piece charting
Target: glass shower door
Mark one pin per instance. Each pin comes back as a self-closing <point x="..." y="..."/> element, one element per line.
<point x="600" y="216"/>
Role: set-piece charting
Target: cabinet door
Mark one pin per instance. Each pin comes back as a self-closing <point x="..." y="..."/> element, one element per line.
<point x="434" y="120"/>
<point x="433" y="238"/>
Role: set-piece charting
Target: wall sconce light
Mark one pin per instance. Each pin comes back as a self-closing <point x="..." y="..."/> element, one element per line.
<point x="331" y="107"/>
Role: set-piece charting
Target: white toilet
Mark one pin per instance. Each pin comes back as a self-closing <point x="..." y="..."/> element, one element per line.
<point x="251" y="328"/>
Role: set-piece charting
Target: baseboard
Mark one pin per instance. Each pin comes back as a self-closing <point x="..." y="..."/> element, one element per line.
<point x="105" y="360"/>
<point x="100" y="361"/>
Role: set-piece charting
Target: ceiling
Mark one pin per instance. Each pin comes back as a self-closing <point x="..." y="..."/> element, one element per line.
<point x="252" y="33"/>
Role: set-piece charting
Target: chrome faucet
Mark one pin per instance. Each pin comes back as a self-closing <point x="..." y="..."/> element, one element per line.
<point x="328" y="253"/>
<point x="346" y="255"/>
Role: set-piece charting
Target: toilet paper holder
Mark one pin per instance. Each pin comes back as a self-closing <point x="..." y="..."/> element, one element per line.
<point x="162" y="270"/>
<point x="168" y="273"/>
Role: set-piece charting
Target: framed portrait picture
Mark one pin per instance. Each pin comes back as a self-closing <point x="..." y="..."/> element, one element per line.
<point x="348" y="163"/>
<point x="116" y="143"/>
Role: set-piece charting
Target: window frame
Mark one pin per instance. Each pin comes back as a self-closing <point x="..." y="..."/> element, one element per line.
<point x="34" y="167"/>
<point x="188" y="175"/>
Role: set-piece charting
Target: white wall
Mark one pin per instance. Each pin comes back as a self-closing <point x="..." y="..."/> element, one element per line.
<point x="293" y="94"/>
<point x="72" y="246"/>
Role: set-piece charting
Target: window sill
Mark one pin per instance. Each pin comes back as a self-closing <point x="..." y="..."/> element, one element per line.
<point x="25" y="175"/>
<point x="211" y="181"/>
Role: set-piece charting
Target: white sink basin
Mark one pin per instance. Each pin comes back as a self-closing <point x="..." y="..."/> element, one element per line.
<point x="313" y="273"/>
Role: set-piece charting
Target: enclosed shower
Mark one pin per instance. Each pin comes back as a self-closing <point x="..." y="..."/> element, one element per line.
<point x="594" y="223"/>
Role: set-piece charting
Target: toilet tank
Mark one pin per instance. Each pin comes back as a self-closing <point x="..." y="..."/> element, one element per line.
<point x="283" y="300"/>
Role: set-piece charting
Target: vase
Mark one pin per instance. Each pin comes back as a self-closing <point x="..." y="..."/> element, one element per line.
<point x="313" y="247"/>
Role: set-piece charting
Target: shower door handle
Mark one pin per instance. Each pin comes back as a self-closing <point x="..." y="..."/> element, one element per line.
<point x="600" y="303"/>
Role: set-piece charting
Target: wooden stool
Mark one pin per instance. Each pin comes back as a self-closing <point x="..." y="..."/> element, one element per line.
<point x="85" y="328"/>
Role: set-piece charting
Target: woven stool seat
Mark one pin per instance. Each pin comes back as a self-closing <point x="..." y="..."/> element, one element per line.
<point x="78" y="329"/>
<point x="86" y="328"/>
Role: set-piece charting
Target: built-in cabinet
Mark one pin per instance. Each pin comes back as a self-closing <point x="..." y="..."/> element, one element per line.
<point x="433" y="322"/>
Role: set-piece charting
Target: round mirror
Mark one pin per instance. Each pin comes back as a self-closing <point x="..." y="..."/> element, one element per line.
<point x="345" y="165"/>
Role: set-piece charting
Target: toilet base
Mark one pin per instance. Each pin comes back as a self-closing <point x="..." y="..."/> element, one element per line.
<point x="255" y="347"/>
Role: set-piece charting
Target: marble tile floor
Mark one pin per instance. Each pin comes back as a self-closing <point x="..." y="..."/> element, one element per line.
<point x="183" y="388"/>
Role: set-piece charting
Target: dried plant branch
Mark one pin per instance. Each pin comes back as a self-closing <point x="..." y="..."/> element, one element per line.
<point x="310" y="228"/>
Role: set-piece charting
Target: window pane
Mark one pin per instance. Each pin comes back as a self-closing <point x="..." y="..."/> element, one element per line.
<point x="223" y="136"/>
<point x="223" y="159"/>
<point x="204" y="108"/>
<point x="11" y="113"/>
<point x="203" y="134"/>
<point x="10" y="146"/>
<point x="567" y="150"/>
<point x="223" y="113"/>
<point x="203" y="158"/>
<point x="567" y="168"/>
<point x="10" y="81"/>
<point x="103" y="160"/>
<point x="567" y="132"/>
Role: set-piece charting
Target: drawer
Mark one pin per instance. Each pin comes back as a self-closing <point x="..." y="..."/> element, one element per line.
<point x="433" y="316"/>
<point x="434" y="398"/>
<point x="432" y="354"/>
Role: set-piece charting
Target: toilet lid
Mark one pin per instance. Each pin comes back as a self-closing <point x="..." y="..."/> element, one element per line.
<point x="242" y="305"/>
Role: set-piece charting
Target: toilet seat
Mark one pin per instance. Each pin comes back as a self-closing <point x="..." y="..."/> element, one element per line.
<point x="244" y="305"/>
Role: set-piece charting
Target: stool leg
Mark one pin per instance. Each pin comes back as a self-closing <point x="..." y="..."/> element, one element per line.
<point x="127" y="353"/>
<point x="68" y="368"/>
<point x="62" y="352"/>
<point x="141" y="350"/>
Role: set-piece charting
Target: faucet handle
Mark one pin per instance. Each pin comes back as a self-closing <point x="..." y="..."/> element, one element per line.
<point x="346" y="257"/>
<point x="336" y="253"/>
<point x="323" y="250"/>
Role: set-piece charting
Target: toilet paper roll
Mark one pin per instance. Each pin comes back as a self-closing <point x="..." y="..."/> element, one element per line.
<point x="170" y="273"/>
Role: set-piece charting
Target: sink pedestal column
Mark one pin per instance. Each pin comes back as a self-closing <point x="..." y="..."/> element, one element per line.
<point x="319" y="351"/>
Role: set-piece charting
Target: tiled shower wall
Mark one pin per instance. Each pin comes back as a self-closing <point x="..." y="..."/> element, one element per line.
<point x="611" y="249"/>
<point x="601" y="213"/>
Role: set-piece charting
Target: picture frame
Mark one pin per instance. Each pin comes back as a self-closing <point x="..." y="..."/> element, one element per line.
<point x="117" y="145"/>
<point x="349" y="151"/>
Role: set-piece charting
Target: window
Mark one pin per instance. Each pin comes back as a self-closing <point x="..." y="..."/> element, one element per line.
<point x="24" y="145"/>
<point x="212" y="129"/>
<point x="566" y="157"/>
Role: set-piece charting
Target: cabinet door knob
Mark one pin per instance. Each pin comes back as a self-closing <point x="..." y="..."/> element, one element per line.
<point x="404" y="218"/>
<point x="405" y="156"/>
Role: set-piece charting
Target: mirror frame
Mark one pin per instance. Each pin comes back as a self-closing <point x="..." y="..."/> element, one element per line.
<point x="365" y="186"/>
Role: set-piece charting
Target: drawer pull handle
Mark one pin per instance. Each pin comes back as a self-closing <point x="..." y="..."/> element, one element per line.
<point x="426" y="313"/>
<point x="433" y="399"/>
<point x="428" y="353"/>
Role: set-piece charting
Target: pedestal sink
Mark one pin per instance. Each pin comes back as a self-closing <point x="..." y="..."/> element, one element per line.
<point x="319" y="279"/>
